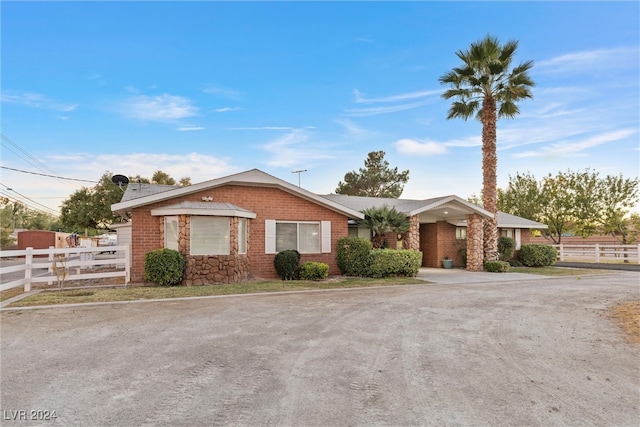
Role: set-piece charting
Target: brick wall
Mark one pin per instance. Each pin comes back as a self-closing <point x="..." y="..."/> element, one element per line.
<point x="267" y="203"/>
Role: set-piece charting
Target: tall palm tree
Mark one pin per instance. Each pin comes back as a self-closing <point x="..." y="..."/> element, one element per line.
<point x="487" y="87"/>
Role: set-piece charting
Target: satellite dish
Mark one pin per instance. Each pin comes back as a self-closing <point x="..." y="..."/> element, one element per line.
<point x="120" y="180"/>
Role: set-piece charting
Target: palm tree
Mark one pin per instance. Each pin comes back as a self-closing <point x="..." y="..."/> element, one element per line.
<point x="487" y="87"/>
<point x="384" y="220"/>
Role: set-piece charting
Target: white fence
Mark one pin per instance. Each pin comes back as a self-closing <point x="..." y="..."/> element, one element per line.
<point x="599" y="253"/>
<point x="67" y="263"/>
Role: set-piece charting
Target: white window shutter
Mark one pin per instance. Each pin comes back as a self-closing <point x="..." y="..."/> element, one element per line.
<point x="518" y="238"/>
<point x="270" y="236"/>
<point x="326" y="237"/>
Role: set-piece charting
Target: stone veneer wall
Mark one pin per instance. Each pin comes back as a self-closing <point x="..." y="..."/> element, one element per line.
<point x="475" y="243"/>
<point x="413" y="236"/>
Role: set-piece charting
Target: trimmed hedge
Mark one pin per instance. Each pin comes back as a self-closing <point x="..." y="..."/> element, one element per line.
<point x="314" y="271"/>
<point x="394" y="262"/>
<point x="506" y="247"/>
<point x="496" y="266"/>
<point x="353" y="256"/>
<point x="164" y="267"/>
<point x="287" y="263"/>
<point x="533" y="255"/>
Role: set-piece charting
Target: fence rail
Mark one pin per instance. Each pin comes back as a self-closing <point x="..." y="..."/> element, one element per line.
<point x="599" y="253"/>
<point x="62" y="263"/>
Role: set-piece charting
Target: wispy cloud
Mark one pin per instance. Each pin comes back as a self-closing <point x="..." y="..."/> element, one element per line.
<point x="294" y="149"/>
<point x="576" y="146"/>
<point x="263" y="128"/>
<point x="373" y="111"/>
<point x="360" y="98"/>
<point x="353" y="129"/>
<point x="190" y="128"/>
<point x="227" y="109"/>
<point x="160" y="108"/>
<point x="36" y="100"/>
<point x="222" y="92"/>
<point x="412" y="147"/>
<point x="588" y="60"/>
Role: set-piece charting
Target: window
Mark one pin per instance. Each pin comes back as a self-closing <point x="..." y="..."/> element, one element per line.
<point x="209" y="235"/>
<point x="507" y="232"/>
<point x="171" y="232"/>
<point x="242" y="235"/>
<point x="301" y="236"/>
<point x="461" y="233"/>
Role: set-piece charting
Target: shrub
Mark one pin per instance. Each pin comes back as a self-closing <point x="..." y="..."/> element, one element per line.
<point x="496" y="266"/>
<point x="353" y="256"/>
<point x="532" y="255"/>
<point x="286" y="264"/>
<point x="506" y="247"/>
<point x="314" y="271"/>
<point x="164" y="267"/>
<point x="394" y="262"/>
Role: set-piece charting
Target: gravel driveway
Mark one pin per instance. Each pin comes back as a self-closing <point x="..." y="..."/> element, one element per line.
<point x="526" y="352"/>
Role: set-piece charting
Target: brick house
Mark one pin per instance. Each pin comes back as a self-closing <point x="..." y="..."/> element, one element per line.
<point x="230" y="228"/>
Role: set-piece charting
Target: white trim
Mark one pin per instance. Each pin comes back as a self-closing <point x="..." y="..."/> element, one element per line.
<point x="202" y="212"/>
<point x="270" y="236"/>
<point x="325" y="233"/>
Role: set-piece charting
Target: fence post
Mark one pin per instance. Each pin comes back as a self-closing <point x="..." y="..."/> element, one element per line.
<point x="127" y="264"/>
<point x="597" y="253"/>
<point x="28" y="262"/>
<point x="50" y="269"/>
<point x="638" y="253"/>
<point x="561" y="252"/>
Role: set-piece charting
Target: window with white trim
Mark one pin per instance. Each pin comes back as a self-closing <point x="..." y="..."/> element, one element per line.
<point x="461" y="233"/>
<point x="242" y="235"/>
<point x="301" y="236"/>
<point x="171" y="235"/>
<point x="209" y="235"/>
<point x="507" y="232"/>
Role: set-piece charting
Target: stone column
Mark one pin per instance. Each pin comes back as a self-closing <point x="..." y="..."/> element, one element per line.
<point x="413" y="236"/>
<point x="475" y="243"/>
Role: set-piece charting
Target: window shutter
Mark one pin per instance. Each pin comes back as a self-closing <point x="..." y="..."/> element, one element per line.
<point x="518" y="238"/>
<point x="270" y="236"/>
<point x="326" y="237"/>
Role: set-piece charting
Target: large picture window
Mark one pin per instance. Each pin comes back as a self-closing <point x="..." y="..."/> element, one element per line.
<point x="301" y="236"/>
<point x="209" y="235"/>
<point x="171" y="232"/>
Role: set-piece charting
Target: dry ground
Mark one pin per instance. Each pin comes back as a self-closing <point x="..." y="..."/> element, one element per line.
<point x="628" y="317"/>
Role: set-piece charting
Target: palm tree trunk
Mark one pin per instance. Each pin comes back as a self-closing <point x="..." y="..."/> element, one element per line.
<point x="489" y="177"/>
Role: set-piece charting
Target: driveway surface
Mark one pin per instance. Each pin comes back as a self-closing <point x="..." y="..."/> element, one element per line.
<point x="525" y="351"/>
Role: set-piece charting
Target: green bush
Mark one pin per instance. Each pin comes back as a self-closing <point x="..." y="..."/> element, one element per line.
<point x="287" y="263"/>
<point x="537" y="255"/>
<point x="353" y="256"/>
<point x="394" y="262"/>
<point x="164" y="267"/>
<point x="506" y="248"/>
<point x="314" y="271"/>
<point x="496" y="266"/>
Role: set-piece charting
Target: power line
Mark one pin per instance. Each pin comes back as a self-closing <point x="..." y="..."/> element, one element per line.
<point x="50" y="176"/>
<point x="46" y="208"/>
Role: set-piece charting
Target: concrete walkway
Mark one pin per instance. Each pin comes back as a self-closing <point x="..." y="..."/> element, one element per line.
<point x="458" y="275"/>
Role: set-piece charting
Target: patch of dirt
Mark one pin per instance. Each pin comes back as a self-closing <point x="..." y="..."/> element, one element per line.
<point x="627" y="315"/>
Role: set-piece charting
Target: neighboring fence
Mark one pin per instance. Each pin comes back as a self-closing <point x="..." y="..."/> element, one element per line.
<point x="67" y="263"/>
<point x="599" y="253"/>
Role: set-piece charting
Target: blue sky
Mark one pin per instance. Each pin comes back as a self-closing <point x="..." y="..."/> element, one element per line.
<point x="206" y="89"/>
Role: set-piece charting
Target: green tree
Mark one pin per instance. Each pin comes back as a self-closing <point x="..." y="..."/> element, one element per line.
<point x="384" y="220"/>
<point x="163" y="178"/>
<point x="486" y="86"/>
<point x="376" y="179"/>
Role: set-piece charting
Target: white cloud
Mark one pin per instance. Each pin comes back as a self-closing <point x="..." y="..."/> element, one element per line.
<point x="264" y="128"/>
<point x="412" y="147"/>
<point x="189" y="128"/>
<point x="160" y="108"/>
<point x="36" y="100"/>
<point x="294" y="149"/>
<point x="352" y="128"/>
<point x="360" y="99"/>
<point x="362" y="112"/>
<point x="588" y="60"/>
<point x="226" y="109"/>
<point x="576" y="146"/>
<point x="223" y="92"/>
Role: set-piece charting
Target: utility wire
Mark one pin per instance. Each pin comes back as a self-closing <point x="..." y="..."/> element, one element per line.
<point x="42" y="207"/>
<point x="50" y="176"/>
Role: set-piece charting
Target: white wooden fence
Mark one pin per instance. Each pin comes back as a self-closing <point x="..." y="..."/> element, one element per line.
<point x="73" y="263"/>
<point x="599" y="253"/>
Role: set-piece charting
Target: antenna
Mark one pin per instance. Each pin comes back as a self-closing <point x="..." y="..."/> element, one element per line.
<point x="299" y="172"/>
<point x="120" y="179"/>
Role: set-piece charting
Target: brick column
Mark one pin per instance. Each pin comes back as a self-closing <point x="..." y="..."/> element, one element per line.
<point x="475" y="243"/>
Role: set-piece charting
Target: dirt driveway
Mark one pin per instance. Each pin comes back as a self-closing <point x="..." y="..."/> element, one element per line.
<point x="528" y="352"/>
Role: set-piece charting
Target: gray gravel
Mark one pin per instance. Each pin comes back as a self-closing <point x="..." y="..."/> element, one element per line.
<point x="525" y="351"/>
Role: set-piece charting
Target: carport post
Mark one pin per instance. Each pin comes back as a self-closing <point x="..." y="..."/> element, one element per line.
<point x="28" y="261"/>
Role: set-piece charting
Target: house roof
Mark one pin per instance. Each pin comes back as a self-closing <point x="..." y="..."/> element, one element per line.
<point x="137" y="195"/>
<point x="450" y="208"/>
